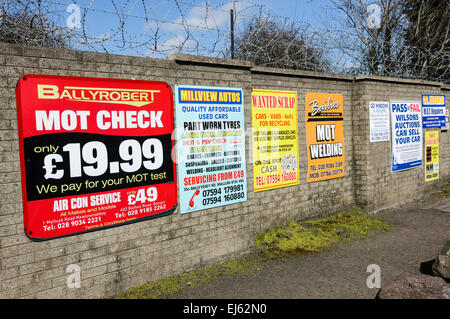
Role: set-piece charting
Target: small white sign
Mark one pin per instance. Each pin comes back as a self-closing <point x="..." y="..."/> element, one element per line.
<point x="379" y="121"/>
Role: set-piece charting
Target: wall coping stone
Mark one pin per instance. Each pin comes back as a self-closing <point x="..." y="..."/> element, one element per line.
<point x="302" y="73"/>
<point x="196" y="59"/>
<point x="397" y="80"/>
<point x="23" y="50"/>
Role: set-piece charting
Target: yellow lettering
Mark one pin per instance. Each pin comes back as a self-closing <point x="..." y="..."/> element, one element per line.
<point x="47" y="91"/>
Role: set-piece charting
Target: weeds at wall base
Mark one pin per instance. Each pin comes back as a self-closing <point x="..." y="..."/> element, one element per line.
<point x="445" y="190"/>
<point x="167" y="286"/>
<point x="288" y="239"/>
<point x="315" y="235"/>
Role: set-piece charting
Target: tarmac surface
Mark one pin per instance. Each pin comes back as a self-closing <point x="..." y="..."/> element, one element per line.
<point x="419" y="232"/>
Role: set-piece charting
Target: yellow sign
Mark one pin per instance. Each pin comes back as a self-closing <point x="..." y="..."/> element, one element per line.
<point x="325" y="136"/>
<point x="432" y="155"/>
<point x="275" y="139"/>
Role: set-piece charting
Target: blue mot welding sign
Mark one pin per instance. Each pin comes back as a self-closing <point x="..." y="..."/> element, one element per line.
<point x="433" y="110"/>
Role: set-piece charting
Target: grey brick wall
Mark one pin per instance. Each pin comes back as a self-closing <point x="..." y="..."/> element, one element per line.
<point x="377" y="187"/>
<point x="115" y="259"/>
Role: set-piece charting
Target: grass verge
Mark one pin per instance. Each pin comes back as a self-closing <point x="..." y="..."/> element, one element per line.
<point x="315" y="235"/>
<point x="285" y="240"/>
<point x="167" y="286"/>
<point x="445" y="189"/>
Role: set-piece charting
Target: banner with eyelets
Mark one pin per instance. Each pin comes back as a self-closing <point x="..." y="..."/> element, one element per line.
<point x="94" y="153"/>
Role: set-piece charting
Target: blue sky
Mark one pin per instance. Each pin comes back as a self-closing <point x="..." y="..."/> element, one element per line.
<point x="158" y="27"/>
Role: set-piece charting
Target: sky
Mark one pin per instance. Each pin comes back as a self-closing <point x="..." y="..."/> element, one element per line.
<point x="157" y="28"/>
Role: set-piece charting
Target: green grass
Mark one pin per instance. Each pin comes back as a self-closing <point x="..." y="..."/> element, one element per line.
<point x="315" y="235"/>
<point x="445" y="189"/>
<point x="287" y="239"/>
<point x="167" y="286"/>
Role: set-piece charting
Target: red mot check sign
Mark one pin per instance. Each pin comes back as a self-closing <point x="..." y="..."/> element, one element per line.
<point x="94" y="153"/>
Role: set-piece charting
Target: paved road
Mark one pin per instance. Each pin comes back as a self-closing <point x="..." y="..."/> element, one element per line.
<point x="420" y="231"/>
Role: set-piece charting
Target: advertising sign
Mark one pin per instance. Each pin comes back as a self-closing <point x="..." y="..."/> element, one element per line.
<point x="432" y="155"/>
<point x="433" y="110"/>
<point x="210" y="147"/>
<point x="94" y="153"/>
<point x="379" y="121"/>
<point x="275" y="139"/>
<point x="406" y="135"/>
<point x="325" y="136"/>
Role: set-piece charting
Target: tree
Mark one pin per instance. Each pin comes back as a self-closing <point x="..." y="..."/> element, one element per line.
<point x="428" y="39"/>
<point x="373" y="35"/>
<point x="406" y="38"/>
<point x="269" y="43"/>
<point x="27" y="22"/>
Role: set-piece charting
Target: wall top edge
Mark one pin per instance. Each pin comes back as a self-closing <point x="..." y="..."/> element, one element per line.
<point x="24" y="50"/>
<point x="209" y="60"/>
<point x="260" y="69"/>
<point x="70" y="53"/>
<point x="397" y="80"/>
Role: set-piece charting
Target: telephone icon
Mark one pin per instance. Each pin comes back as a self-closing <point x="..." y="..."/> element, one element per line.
<point x="191" y="202"/>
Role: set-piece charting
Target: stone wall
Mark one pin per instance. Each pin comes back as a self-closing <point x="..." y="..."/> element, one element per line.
<point x="115" y="259"/>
